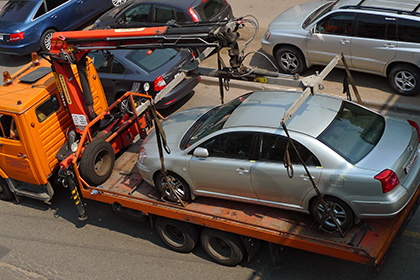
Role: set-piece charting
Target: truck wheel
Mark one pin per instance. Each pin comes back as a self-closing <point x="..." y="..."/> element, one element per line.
<point x="5" y="193"/>
<point x="97" y="162"/>
<point x="46" y="40"/>
<point x="343" y="213"/>
<point x="223" y="247"/>
<point x="117" y="3"/>
<point x="179" y="185"/>
<point x="179" y="236"/>
<point x="405" y="79"/>
<point x="290" y="60"/>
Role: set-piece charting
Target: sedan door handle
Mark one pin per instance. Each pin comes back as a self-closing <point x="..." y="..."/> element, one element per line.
<point x="305" y="177"/>
<point x="344" y="42"/>
<point x="53" y="16"/>
<point x="389" y="46"/>
<point x="242" y="171"/>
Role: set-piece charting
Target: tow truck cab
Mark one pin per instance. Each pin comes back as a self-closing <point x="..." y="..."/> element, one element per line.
<point x="34" y="125"/>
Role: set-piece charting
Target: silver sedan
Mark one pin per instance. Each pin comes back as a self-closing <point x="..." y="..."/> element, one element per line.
<point x="365" y="164"/>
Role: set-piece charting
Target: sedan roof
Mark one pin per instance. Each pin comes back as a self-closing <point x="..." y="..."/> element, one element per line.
<point x="266" y="109"/>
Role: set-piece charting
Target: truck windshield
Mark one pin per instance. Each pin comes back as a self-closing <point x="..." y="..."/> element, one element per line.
<point x="354" y="132"/>
<point x="211" y="121"/>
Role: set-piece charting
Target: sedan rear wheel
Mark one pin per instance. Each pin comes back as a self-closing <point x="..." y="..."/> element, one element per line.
<point x="336" y="209"/>
<point x="46" y="40"/>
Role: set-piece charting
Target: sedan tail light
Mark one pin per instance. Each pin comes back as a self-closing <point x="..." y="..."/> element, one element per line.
<point x="16" y="36"/>
<point x="416" y="126"/>
<point x="193" y="14"/>
<point x="159" y="83"/>
<point x="388" y="180"/>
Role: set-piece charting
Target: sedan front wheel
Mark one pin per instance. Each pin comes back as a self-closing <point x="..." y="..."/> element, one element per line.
<point x="335" y="212"/>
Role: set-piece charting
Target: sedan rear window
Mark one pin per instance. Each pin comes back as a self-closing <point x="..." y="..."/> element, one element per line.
<point x="354" y="132"/>
<point x="151" y="61"/>
<point x="210" y="8"/>
<point x="16" y="11"/>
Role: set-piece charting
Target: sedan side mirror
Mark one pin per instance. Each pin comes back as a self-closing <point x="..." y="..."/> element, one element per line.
<point x="201" y="152"/>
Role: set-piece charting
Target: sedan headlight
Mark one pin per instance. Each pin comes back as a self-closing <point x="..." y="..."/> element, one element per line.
<point x="142" y="155"/>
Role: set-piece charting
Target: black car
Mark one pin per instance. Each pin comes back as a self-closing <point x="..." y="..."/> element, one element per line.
<point x="157" y="68"/>
<point x="145" y="13"/>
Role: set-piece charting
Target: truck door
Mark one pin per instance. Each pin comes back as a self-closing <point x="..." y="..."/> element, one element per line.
<point x="14" y="158"/>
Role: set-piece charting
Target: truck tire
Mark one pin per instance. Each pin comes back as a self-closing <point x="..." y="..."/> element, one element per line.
<point x="344" y="214"/>
<point x="405" y="79"/>
<point x="223" y="247"/>
<point x="97" y="162"/>
<point x="46" y="39"/>
<point x="179" y="185"/>
<point x="179" y="236"/>
<point x="5" y="193"/>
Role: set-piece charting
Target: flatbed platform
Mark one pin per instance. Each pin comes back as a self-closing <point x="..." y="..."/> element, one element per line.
<point x="364" y="243"/>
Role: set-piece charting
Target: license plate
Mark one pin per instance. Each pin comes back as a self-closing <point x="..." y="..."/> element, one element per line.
<point x="410" y="164"/>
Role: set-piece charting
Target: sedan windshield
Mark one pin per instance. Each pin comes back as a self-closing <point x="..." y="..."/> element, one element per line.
<point x="211" y="121"/>
<point x="354" y="132"/>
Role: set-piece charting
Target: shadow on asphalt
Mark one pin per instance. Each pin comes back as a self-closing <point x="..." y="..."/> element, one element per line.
<point x="14" y="60"/>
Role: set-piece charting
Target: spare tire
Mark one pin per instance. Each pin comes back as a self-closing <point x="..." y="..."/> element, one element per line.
<point x="97" y="162"/>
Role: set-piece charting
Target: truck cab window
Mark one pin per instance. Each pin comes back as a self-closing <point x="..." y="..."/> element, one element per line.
<point x="8" y="127"/>
<point x="47" y="108"/>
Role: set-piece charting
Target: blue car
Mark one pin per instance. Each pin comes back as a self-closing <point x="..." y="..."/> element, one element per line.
<point x="27" y="25"/>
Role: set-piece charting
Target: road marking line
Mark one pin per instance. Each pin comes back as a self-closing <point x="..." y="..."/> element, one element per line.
<point x="411" y="234"/>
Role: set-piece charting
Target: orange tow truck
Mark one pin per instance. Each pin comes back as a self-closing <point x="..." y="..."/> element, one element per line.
<point x="229" y="231"/>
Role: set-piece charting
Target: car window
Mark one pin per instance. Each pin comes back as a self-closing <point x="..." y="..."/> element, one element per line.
<point x="8" y="127"/>
<point x="151" y="61"/>
<point x="139" y="13"/>
<point x="211" y="121"/>
<point x="354" y="132"/>
<point x="180" y="16"/>
<point x="337" y="24"/>
<point x="408" y="30"/>
<point x="16" y="11"/>
<point x="210" y="8"/>
<point x="162" y="14"/>
<point x="376" y="27"/>
<point x="52" y="4"/>
<point x="273" y="148"/>
<point x="41" y="11"/>
<point x="230" y="145"/>
<point x="47" y="108"/>
<point x="102" y="66"/>
<point x="318" y="13"/>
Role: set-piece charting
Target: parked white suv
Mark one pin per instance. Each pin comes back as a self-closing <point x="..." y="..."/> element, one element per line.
<point x="375" y="36"/>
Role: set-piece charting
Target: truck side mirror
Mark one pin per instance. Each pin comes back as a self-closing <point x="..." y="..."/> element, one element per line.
<point x="201" y="152"/>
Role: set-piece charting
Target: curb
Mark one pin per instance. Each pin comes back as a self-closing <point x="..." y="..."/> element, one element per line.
<point x="252" y="86"/>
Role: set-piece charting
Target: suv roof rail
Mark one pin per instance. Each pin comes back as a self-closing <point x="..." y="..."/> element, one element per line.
<point x="396" y="11"/>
